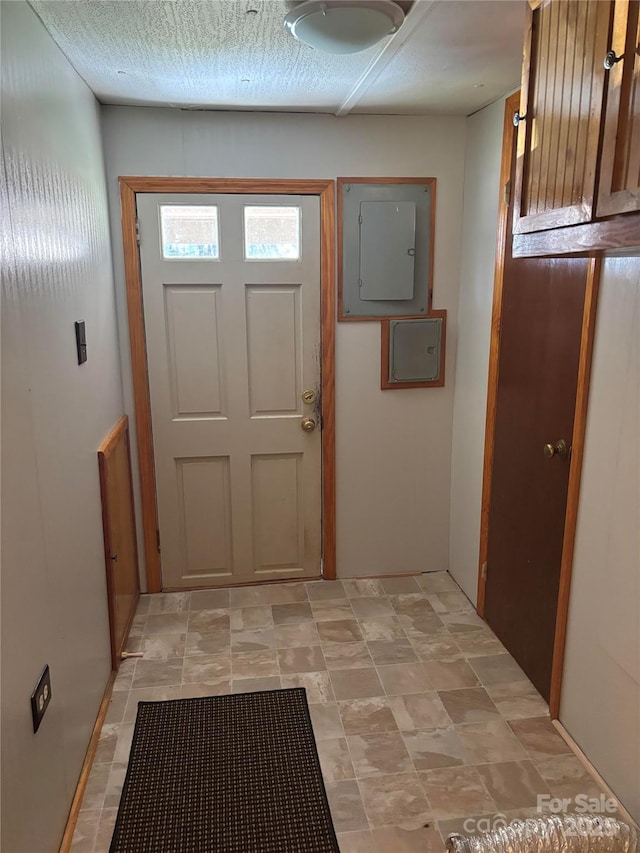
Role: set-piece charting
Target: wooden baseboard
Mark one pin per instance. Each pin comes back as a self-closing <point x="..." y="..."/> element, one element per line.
<point x="237" y="585"/>
<point x="564" y="734"/>
<point x="87" y="764"/>
<point x="388" y="575"/>
<point x="293" y="580"/>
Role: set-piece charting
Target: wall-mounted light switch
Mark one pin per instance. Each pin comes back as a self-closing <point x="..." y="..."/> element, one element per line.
<point x="81" y="342"/>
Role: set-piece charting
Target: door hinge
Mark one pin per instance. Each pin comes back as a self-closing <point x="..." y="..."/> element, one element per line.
<point x="158" y="539"/>
<point x="137" y="231"/>
<point x="483" y="571"/>
<point x="507" y="193"/>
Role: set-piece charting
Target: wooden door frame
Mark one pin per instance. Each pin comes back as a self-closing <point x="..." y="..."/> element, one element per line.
<point x="580" y="414"/>
<point x="324" y="189"/>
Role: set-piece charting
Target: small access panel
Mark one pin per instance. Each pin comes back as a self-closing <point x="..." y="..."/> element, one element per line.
<point x="413" y="352"/>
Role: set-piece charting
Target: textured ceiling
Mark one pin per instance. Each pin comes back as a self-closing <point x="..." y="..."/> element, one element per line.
<point x="450" y="56"/>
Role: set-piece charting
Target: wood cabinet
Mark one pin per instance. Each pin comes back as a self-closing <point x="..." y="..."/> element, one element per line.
<point x="577" y="182"/>
<point x="619" y="186"/>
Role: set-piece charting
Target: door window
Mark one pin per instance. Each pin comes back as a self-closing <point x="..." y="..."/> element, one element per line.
<point x="189" y="232"/>
<point x="271" y="233"/>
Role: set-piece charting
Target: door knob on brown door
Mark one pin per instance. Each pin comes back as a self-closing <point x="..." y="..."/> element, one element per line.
<point x="560" y="448"/>
<point x="308" y="424"/>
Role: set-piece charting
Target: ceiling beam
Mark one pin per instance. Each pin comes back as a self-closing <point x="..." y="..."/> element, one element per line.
<point x="419" y="11"/>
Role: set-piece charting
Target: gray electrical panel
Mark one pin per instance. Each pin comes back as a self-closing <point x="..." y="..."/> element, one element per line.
<point x="415" y="350"/>
<point x="386" y="248"/>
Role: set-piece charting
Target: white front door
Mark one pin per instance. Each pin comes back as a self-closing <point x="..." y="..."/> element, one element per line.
<point x="231" y="292"/>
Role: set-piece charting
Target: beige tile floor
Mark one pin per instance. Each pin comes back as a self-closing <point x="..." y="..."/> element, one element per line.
<point x="421" y="717"/>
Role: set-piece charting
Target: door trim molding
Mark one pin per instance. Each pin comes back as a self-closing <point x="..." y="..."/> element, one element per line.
<point x="504" y="223"/>
<point x="575" y="476"/>
<point x="579" y="423"/>
<point x="324" y="189"/>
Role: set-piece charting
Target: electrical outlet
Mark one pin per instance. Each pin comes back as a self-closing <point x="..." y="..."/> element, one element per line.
<point x="40" y="698"/>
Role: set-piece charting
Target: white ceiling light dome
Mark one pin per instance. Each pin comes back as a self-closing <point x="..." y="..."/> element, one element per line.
<point x="343" y="26"/>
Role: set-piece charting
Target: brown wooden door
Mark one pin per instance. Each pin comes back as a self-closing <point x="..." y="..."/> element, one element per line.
<point x="118" y="520"/>
<point x="619" y="190"/>
<point x="541" y="329"/>
<point x="562" y="102"/>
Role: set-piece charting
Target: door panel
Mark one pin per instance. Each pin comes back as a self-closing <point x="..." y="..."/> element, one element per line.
<point x="231" y="289"/>
<point x="273" y="350"/>
<point x="204" y="508"/>
<point x="277" y="511"/>
<point x="194" y="354"/>
<point x="541" y="329"/>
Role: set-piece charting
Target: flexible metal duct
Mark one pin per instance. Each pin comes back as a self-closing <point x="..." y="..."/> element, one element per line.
<point x="553" y="834"/>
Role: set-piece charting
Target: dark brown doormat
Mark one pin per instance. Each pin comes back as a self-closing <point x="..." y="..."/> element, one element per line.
<point x="225" y="774"/>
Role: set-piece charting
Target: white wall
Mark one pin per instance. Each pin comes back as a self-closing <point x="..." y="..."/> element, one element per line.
<point x="56" y="269"/>
<point x="601" y="686"/>
<point x="393" y="447"/>
<point x="481" y="191"/>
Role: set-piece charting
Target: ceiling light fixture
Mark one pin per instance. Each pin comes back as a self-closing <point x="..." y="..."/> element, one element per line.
<point x="343" y="26"/>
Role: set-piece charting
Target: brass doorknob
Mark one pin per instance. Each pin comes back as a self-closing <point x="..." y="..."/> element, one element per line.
<point x="558" y="449"/>
<point x="308" y="424"/>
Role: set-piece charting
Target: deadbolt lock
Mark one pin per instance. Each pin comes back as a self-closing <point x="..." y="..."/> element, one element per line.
<point x="309" y="397"/>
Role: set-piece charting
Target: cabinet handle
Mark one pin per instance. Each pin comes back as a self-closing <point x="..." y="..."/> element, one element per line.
<point x="610" y="59"/>
<point x="517" y="118"/>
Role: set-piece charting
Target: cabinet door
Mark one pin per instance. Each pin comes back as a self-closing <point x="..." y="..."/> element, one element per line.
<point x="562" y="102"/>
<point x="619" y="190"/>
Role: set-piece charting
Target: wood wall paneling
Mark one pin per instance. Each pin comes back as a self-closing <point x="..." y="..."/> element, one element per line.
<point x="119" y="528"/>
<point x="562" y="101"/>
<point x="619" y="185"/>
